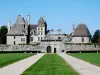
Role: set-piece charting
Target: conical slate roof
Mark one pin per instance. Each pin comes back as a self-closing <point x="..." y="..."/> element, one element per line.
<point x="81" y="31"/>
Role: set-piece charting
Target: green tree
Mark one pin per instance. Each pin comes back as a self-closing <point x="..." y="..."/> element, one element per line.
<point x="96" y="37"/>
<point x="3" y="32"/>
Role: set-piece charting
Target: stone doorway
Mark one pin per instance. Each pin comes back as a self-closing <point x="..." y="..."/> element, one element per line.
<point x="55" y="50"/>
<point x="49" y="49"/>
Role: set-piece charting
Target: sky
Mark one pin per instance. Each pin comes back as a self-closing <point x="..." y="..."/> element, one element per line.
<point x="59" y="14"/>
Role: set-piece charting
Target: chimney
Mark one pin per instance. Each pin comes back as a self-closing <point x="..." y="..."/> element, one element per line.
<point x="73" y="28"/>
<point x="28" y="19"/>
<point x="9" y="23"/>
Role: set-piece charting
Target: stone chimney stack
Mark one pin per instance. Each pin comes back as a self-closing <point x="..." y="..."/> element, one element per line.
<point x="9" y="25"/>
<point x="28" y="19"/>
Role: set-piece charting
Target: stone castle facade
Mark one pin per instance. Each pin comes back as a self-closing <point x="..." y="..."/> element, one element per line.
<point x="22" y="32"/>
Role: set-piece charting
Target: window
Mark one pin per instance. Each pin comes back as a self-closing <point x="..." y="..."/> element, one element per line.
<point x="59" y="37"/>
<point x="82" y="39"/>
<point x="14" y="37"/>
<point x="22" y="39"/>
<point x="38" y="33"/>
<point x="41" y="33"/>
<point x="31" y="33"/>
<point x="41" y="38"/>
<point x="41" y="28"/>
<point x="34" y="32"/>
<point x="62" y="50"/>
<point x="38" y="28"/>
<point x="38" y="38"/>
<point x="89" y="39"/>
<point x="24" y="25"/>
<point x="14" y="42"/>
<point x="31" y="39"/>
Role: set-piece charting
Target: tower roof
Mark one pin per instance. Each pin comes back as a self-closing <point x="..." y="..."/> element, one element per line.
<point x="18" y="27"/>
<point x="81" y="31"/>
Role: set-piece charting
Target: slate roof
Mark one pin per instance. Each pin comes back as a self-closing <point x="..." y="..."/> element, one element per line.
<point x="33" y="26"/>
<point x="81" y="31"/>
<point x="18" y="28"/>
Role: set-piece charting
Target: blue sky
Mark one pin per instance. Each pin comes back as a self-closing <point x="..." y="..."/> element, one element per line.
<point x="58" y="13"/>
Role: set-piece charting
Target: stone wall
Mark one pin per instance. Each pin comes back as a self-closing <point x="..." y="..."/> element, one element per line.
<point x="82" y="47"/>
<point x="20" y="48"/>
<point x="65" y="47"/>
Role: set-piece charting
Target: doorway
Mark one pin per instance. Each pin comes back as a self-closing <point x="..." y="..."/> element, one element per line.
<point x="55" y="50"/>
<point x="49" y="49"/>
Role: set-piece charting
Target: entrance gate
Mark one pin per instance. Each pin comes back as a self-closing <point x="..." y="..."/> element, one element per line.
<point x="49" y="49"/>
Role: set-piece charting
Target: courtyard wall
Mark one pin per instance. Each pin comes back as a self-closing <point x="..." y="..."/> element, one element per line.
<point x="82" y="47"/>
<point x="66" y="47"/>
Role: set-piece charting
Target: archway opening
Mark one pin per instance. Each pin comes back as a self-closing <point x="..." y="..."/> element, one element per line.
<point x="55" y="50"/>
<point x="49" y="49"/>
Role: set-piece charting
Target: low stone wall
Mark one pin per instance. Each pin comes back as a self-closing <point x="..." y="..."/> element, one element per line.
<point x="19" y="48"/>
<point x="66" y="47"/>
<point x="82" y="47"/>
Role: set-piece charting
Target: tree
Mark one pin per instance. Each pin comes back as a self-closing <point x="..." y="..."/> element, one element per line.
<point x="96" y="37"/>
<point x="3" y="32"/>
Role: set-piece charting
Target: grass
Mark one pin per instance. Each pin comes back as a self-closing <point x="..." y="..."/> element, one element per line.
<point x="50" y="64"/>
<point x="6" y="59"/>
<point x="93" y="58"/>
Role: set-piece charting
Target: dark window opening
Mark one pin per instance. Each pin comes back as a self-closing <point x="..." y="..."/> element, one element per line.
<point x="14" y="42"/>
<point x="55" y="50"/>
<point x="62" y="50"/>
<point x="14" y="37"/>
<point x="31" y="39"/>
<point x="38" y="38"/>
<point x="82" y="39"/>
<point x="23" y="39"/>
<point x="41" y="38"/>
<point x="59" y="37"/>
<point x="24" y="25"/>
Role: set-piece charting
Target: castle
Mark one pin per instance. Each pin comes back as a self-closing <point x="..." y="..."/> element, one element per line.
<point x="22" y="32"/>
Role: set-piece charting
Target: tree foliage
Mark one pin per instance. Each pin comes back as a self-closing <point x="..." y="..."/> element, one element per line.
<point x="3" y="32"/>
<point x="96" y="37"/>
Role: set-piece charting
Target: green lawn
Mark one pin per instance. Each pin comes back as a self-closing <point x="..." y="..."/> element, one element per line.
<point x="50" y="64"/>
<point x="9" y="58"/>
<point x="93" y="58"/>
